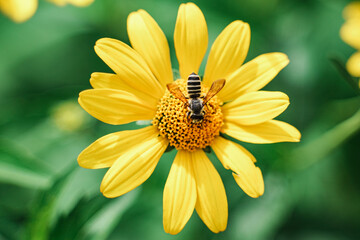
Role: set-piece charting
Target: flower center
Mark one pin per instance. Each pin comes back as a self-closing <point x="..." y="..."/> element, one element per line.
<point x="174" y="124"/>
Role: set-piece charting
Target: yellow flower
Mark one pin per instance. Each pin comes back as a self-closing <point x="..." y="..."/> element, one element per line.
<point x="78" y="3"/>
<point x="137" y="91"/>
<point x="22" y="10"/>
<point x="350" y="33"/>
<point x="18" y="10"/>
<point x="68" y="116"/>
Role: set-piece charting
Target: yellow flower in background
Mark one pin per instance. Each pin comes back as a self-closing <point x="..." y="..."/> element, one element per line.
<point x="68" y="116"/>
<point x="78" y="3"/>
<point x="350" y="33"/>
<point x="137" y="91"/>
<point x="19" y="10"/>
<point x="352" y="10"/>
<point x="22" y="10"/>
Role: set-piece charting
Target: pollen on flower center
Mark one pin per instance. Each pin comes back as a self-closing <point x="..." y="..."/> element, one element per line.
<point x="173" y="123"/>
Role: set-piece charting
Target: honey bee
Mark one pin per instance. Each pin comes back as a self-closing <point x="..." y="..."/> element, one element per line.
<point x="195" y="103"/>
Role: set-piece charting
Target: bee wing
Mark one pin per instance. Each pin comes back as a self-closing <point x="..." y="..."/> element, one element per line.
<point x="175" y="90"/>
<point x="214" y="89"/>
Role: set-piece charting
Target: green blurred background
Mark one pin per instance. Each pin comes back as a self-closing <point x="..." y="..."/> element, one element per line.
<point x="312" y="188"/>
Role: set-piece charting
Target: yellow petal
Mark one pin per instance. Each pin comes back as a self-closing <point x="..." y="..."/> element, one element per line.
<point x="255" y="107"/>
<point x="253" y="76"/>
<point x="147" y="38"/>
<point x="350" y="32"/>
<point x="179" y="193"/>
<point x="78" y="3"/>
<point x="113" y="81"/>
<point x="272" y="131"/>
<point x="18" y="10"/>
<point x="116" y="106"/>
<point x="211" y="204"/>
<point x="228" y="51"/>
<point x="353" y="64"/>
<point x="190" y="39"/>
<point x="58" y="2"/>
<point x="109" y="80"/>
<point x="103" y="152"/>
<point x="241" y="162"/>
<point x="133" y="167"/>
<point x="129" y="66"/>
<point x="352" y="10"/>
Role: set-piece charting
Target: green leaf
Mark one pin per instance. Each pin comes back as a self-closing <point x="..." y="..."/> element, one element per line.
<point x="169" y="148"/>
<point x="39" y="222"/>
<point x="69" y="226"/>
<point x="22" y="177"/>
<point x="207" y="149"/>
<point x="105" y="221"/>
<point x="340" y="66"/>
<point x="260" y="218"/>
<point x="93" y="218"/>
<point x="19" y="167"/>
<point x="81" y="184"/>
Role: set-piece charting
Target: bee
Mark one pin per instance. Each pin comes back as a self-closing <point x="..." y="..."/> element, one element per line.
<point x="195" y="103"/>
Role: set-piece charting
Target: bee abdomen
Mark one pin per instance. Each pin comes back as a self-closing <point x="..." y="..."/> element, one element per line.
<point x="194" y="86"/>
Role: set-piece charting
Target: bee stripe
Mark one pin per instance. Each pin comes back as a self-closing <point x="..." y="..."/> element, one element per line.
<point x="194" y="88"/>
<point x="194" y="95"/>
<point x="190" y="82"/>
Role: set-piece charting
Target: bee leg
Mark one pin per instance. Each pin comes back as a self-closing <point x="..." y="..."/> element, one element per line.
<point x="189" y="119"/>
<point x="207" y="107"/>
<point x="183" y="107"/>
<point x="188" y="114"/>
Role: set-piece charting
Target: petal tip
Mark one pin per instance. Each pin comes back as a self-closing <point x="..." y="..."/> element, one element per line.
<point x="101" y="41"/>
<point x="257" y="195"/>
<point x="139" y="13"/>
<point x="107" y="194"/>
<point x="80" y="159"/>
<point x="222" y="228"/>
<point x="171" y="231"/>
<point x="284" y="56"/>
<point x="191" y="4"/>
<point x="239" y="22"/>
<point x="83" y="162"/>
<point x="297" y="139"/>
<point x="218" y="229"/>
<point x="253" y="189"/>
<point x="132" y="17"/>
<point x="296" y="135"/>
<point x="81" y="97"/>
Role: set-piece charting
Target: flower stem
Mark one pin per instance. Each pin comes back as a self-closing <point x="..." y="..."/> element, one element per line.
<point x="319" y="148"/>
